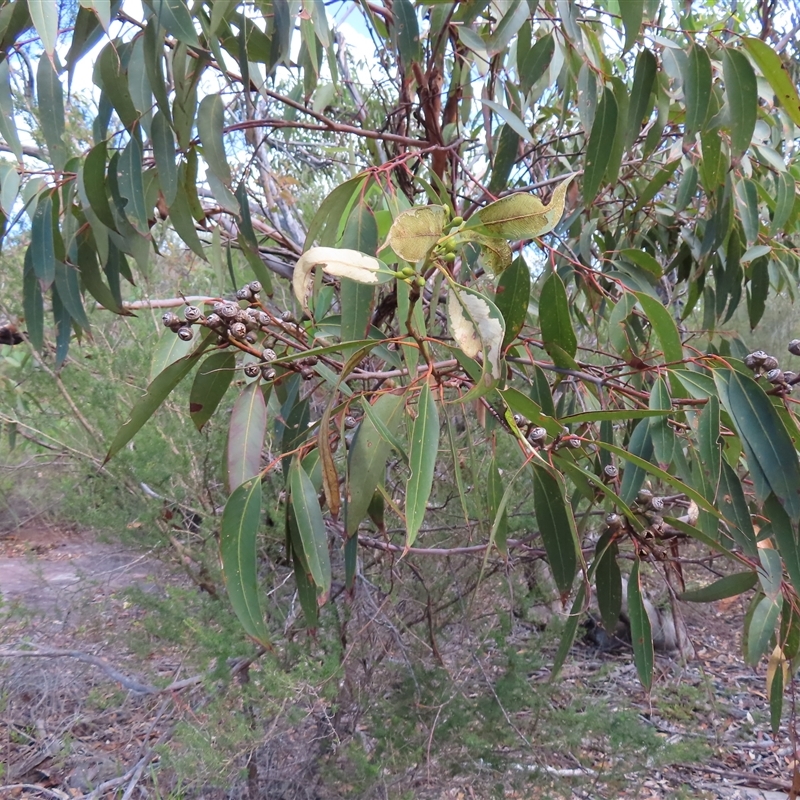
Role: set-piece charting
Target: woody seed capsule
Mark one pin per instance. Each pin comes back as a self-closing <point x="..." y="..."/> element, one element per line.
<point x="185" y="333"/>
<point x="252" y="370"/>
<point x="794" y="347"/>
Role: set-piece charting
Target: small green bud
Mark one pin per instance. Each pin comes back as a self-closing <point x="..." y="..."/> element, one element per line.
<point x="456" y="221"/>
<point x="420" y="280"/>
<point x="408" y="271"/>
<point x="449" y="257"/>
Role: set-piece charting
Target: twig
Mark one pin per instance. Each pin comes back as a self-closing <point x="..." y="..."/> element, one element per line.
<point x="14" y="788"/>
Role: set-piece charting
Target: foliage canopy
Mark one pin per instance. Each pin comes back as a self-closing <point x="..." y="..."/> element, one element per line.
<point x="430" y="283"/>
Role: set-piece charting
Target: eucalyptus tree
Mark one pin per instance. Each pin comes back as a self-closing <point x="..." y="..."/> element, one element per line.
<point x="518" y="208"/>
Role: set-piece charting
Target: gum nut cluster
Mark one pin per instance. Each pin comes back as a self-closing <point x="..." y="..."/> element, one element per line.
<point x="766" y="366"/>
<point x="230" y="322"/>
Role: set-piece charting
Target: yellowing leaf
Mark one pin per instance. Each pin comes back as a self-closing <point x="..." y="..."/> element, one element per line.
<point x="495" y="254"/>
<point x="414" y="233"/>
<point x="522" y="215"/>
<point x="339" y="263"/>
<point x="477" y="326"/>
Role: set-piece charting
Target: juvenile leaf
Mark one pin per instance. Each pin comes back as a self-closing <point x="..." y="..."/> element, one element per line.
<point x="729" y="586"/>
<point x="238" y="542"/>
<point x="424" y="448"/>
<point x="696" y="88"/>
<point x="246" y="435"/>
<point x="521" y="215"/>
<point x="414" y="233"/>
<point x="776" y="73"/>
<point x="311" y="528"/>
<point x="600" y="146"/>
<point x="367" y="458"/>
<point x="556" y="525"/>
<point x="477" y="326"/>
<point x="210" y="122"/>
<point x="512" y="297"/>
<point x="554" y="316"/>
<point x="742" y="94"/>
<point x="641" y="631"/>
<point x="156" y="393"/>
<point x="340" y="263"/>
<point x="213" y="378"/>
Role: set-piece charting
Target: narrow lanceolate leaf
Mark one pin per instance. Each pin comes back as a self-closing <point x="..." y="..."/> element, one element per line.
<point x="505" y="156"/>
<point x="70" y="293"/>
<point x="164" y="151"/>
<point x="131" y="184"/>
<point x="761" y="626"/>
<point x="338" y="262"/>
<point x="765" y="439"/>
<point x="632" y="12"/>
<point x="367" y="458"/>
<point x="8" y="128"/>
<point x="422" y="457"/>
<point x="641" y="632"/>
<point x="174" y="15"/>
<point x="43" y="242"/>
<point x="246" y="435"/>
<point x="357" y="299"/>
<point x="644" y="75"/>
<point x="32" y="302"/>
<point x="556" y="525"/>
<point x="608" y="582"/>
<point x="522" y="215"/>
<point x="663" y="326"/>
<point x="733" y="505"/>
<point x="155" y="395"/>
<point x="213" y="378"/>
<point x="50" y="97"/>
<point x="742" y="94"/>
<point x="554" y="317"/>
<point x="238" y="544"/>
<point x="601" y="145"/>
<point x="729" y="586"/>
<point x="407" y="29"/>
<point x="330" y="476"/>
<point x="510" y="118"/>
<point x="477" y="327"/>
<point x="210" y="122"/>
<point x="415" y="232"/>
<point x="44" y="15"/>
<point x="784" y="201"/>
<point x="92" y="178"/>
<point x="311" y="528"/>
<point x="786" y="538"/>
<point x="776" y="73"/>
<point x="696" y="88"/>
<point x="536" y="62"/>
<point x="512" y="296"/>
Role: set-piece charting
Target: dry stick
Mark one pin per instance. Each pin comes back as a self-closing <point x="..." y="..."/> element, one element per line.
<point x="29" y="787"/>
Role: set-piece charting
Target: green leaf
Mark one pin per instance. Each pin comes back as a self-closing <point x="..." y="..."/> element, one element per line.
<point x="708" y="433"/>
<point x="608" y="582"/>
<point x="696" y="88"/>
<point x="761" y="627"/>
<point x="238" y="544"/>
<point x="174" y="15"/>
<point x="156" y="393"/>
<point x="361" y="233"/>
<point x="641" y="632"/>
<point x="424" y="448"/>
<point x="311" y="528"/>
<point x="407" y="28"/>
<point x="32" y="302"/>
<point x="512" y="296"/>
<point x="110" y="77"/>
<point x="785" y="537"/>
<point x="43" y="241"/>
<point x="8" y="127"/>
<point x="521" y="215"/>
<point x="747" y="201"/>
<point x="733" y="505"/>
<point x="367" y="458"/>
<point x="131" y="184"/>
<point x="510" y="118"/>
<point x="556" y="525"/>
<point x="536" y="62"/>
<point x="92" y="178"/>
<point x="70" y="293"/>
<point x="777" y="74"/>
<point x="600" y="146"/>
<point x="163" y="142"/>
<point x="554" y="317"/>
<point x="44" y="15"/>
<point x="414" y="233"/>
<point x="50" y="98"/>
<point x="505" y="156"/>
<point x="663" y="326"/>
<point x="765" y="439"/>
<point x="213" y="378"/>
<point x="328" y="223"/>
<point x="639" y="446"/>
<point x="632" y="13"/>
<point x="248" y="424"/>
<point x="210" y="123"/>
<point x="776" y="671"/>
<point x="741" y="91"/>
<point x="497" y="510"/>
<point x="784" y="201"/>
<point x="495" y="255"/>
<point x="729" y="586"/>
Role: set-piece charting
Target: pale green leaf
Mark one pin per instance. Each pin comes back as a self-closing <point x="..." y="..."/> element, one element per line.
<point x="414" y="233"/>
<point x="424" y="447"/>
